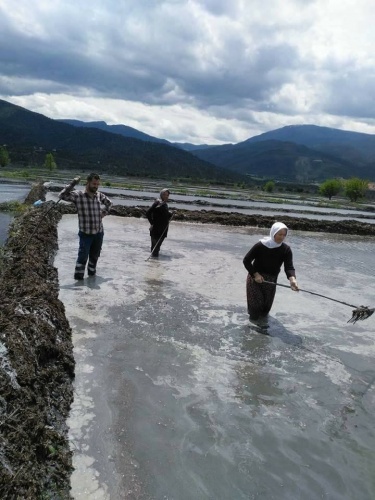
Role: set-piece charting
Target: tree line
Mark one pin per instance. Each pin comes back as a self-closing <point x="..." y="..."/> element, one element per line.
<point x="49" y="161"/>
<point x="354" y="188"/>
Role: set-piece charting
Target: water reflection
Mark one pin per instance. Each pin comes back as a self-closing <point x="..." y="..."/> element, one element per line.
<point x="92" y="282"/>
<point x="154" y="275"/>
<point x="271" y="327"/>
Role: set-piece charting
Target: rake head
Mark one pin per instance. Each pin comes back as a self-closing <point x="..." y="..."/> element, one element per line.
<point x="361" y="313"/>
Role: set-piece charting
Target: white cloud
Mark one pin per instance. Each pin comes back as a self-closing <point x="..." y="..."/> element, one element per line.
<point x="203" y="71"/>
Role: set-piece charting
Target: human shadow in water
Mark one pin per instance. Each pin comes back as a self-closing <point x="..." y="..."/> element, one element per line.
<point x="93" y="282"/>
<point x="273" y="328"/>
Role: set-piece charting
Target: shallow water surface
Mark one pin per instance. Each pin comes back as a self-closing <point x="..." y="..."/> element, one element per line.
<point x="13" y="192"/>
<point x="179" y="397"/>
<point x="10" y="192"/>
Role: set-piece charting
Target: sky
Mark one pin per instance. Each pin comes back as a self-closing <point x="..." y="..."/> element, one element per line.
<point x="197" y="71"/>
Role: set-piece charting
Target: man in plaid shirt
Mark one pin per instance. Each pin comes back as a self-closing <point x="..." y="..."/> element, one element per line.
<point x="90" y="215"/>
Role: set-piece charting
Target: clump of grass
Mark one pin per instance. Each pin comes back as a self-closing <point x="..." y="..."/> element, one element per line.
<point x="136" y="187"/>
<point x="206" y="192"/>
<point x="13" y="206"/>
<point x="180" y="190"/>
<point x="18" y="174"/>
<point x="279" y="201"/>
<point x="123" y="185"/>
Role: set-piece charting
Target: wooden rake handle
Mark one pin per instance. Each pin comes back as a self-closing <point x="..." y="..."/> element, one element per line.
<point x="313" y="293"/>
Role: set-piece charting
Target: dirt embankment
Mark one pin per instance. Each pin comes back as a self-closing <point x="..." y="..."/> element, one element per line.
<point x="234" y="218"/>
<point x="36" y="362"/>
<point x="237" y="219"/>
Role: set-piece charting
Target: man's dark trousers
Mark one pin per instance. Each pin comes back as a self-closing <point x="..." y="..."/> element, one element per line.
<point x="90" y="246"/>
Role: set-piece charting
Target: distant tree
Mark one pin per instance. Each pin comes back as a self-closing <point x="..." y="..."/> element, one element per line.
<point x="355" y="188"/>
<point x="49" y="162"/>
<point x="4" y="156"/>
<point x="242" y="185"/>
<point x="331" y="187"/>
<point x="269" y="186"/>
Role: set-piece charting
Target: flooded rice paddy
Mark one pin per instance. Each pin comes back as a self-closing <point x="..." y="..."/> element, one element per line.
<point x="179" y="397"/>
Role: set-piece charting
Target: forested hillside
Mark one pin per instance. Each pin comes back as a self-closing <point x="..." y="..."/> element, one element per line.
<point x="28" y="136"/>
<point x="291" y="154"/>
<point x="300" y="153"/>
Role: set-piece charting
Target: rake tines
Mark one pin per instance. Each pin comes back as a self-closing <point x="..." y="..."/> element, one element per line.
<point x="361" y="313"/>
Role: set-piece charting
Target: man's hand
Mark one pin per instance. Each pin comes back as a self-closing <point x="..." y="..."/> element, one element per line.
<point x="73" y="183"/>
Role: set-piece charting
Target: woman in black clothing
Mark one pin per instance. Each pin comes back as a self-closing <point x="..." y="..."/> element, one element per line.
<point x="158" y="216"/>
<point x="263" y="263"/>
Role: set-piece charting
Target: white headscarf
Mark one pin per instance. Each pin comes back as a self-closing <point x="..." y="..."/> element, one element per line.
<point x="269" y="241"/>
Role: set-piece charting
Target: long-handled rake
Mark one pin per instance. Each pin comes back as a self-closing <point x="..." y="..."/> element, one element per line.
<point x="358" y="314"/>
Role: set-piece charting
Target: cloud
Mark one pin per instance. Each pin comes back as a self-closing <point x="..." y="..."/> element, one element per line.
<point x="199" y="71"/>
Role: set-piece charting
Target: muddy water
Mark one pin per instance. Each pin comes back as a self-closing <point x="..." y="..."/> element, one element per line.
<point x="13" y="192"/>
<point x="10" y="192"/>
<point x="179" y="397"/>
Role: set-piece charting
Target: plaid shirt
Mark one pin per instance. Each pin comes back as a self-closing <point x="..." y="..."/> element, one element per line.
<point x="88" y="208"/>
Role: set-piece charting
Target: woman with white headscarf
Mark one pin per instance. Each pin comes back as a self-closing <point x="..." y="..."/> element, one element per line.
<point x="263" y="263"/>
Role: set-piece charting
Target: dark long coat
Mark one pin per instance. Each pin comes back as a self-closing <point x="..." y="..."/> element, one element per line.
<point x="158" y="216"/>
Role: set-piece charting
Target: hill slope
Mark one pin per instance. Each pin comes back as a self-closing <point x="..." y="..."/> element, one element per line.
<point x="291" y="153"/>
<point x="127" y="131"/>
<point x="342" y="143"/>
<point x="297" y="153"/>
<point x="30" y="135"/>
<point x="123" y="130"/>
<point x="300" y="153"/>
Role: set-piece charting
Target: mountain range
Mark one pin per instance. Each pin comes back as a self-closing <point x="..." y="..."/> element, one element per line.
<point x="299" y="153"/>
<point x="296" y="153"/>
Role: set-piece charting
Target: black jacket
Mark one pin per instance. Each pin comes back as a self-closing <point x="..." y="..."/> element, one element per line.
<point x="158" y="216"/>
<point x="262" y="259"/>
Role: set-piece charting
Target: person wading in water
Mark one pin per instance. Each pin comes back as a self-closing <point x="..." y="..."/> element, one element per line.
<point x="159" y="216"/>
<point x="90" y="215"/>
<point x="263" y="263"/>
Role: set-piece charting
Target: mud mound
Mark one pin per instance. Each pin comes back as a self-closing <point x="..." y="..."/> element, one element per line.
<point x="36" y="363"/>
<point x="37" y="192"/>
